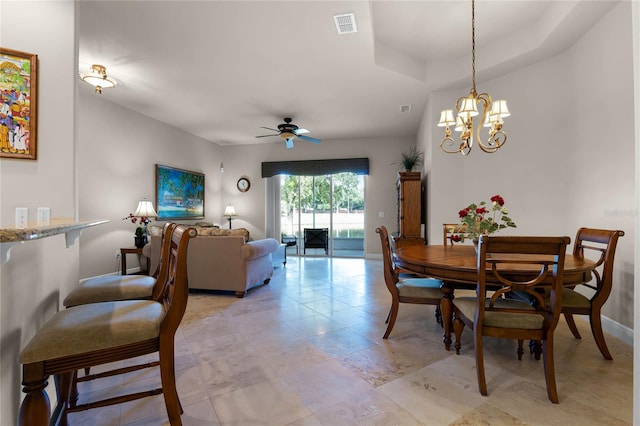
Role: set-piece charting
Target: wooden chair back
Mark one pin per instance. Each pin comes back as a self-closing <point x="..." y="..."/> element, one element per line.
<point x="174" y="291"/>
<point x="449" y="229"/>
<point x="163" y="265"/>
<point x="601" y="244"/>
<point x="543" y="255"/>
<point x="390" y="274"/>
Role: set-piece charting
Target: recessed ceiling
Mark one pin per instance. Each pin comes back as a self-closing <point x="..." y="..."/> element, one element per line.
<point x="222" y="69"/>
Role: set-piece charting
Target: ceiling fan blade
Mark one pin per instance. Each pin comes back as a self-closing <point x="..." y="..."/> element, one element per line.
<point x="301" y="131"/>
<point x="288" y="143"/>
<point x="309" y="139"/>
<point x="267" y="136"/>
<point x="269" y="128"/>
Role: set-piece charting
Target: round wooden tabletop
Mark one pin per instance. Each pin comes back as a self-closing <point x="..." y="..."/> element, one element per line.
<point x="458" y="263"/>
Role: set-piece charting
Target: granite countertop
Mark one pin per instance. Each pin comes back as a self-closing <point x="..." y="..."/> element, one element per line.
<point x="59" y="226"/>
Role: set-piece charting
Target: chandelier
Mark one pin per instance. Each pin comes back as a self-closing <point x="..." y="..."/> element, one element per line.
<point x="467" y="109"/>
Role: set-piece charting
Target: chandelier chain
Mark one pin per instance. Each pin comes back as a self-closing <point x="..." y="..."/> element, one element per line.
<point x="473" y="45"/>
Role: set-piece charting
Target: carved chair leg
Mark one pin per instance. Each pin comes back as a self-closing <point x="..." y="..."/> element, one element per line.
<point x="477" y="342"/>
<point x="520" y="351"/>
<point x="168" y="377"/>
<point x="572" y="325"/>
<point x="388" y="316"/>
<point x="549" y="369"/>
<point x="598" y="335"/>
<point x="535" y="348"/>
<point x="35" y="408"/>
<point x="458" y="326"/>
<point x="439" y="316"/>
<point x="64" y="385"/>
<point x="393" y="314"/>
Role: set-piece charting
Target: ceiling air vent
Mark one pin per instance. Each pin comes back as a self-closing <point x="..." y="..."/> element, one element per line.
<point x="405" y="108"/>
<point x="345" y="23"/>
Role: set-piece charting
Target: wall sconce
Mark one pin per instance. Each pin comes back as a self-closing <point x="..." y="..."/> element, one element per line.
<point x="98" y="77"/>
<point x="221" y="167"/>
<point x="229" y="212"/>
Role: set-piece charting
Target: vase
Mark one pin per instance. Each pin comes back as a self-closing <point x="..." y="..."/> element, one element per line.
<point x="140" y="241"/>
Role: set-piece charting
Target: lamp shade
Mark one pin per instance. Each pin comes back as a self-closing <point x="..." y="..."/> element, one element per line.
<point x="230" y="211"/>
<point x="446" y="118"/>
<point x="499" y="109"/>
<point x="145" y="209"/>
<point x="468" y="108"/>
<point x="98" y="78"/>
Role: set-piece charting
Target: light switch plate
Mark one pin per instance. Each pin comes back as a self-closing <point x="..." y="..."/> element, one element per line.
<point x="44" y="216"/>
<point x="22" y="217"/>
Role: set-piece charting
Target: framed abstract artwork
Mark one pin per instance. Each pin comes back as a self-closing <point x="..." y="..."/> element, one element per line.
<point x="18" y="104"/>
<point x="179" y="193"/>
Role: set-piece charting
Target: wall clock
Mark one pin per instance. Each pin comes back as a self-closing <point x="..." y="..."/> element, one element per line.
<point x="243" y="184"/>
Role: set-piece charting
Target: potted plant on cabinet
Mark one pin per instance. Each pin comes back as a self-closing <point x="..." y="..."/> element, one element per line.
<point x="411" y="158"/>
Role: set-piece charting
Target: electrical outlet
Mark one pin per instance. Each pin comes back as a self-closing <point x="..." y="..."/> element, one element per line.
<point x="22" y="217"/>
<point x="44" y="216"/>
<point x="117" y="254"/>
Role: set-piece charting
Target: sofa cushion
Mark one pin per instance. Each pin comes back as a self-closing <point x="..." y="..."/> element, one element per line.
<point x="216" y="232"/>
<point x="254" y="249"/>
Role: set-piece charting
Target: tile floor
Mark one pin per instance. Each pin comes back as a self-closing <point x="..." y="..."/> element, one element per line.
<point x="307" y="349"/>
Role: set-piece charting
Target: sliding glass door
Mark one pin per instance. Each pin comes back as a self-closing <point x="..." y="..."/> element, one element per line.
<point x="324" y="214"/>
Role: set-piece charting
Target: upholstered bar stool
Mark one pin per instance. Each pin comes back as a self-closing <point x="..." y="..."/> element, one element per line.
<point x="99" y="333"/>
<point x="120" y="287"/>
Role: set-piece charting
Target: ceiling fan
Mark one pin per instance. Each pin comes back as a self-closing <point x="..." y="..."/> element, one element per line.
<point x="289" y="131"/>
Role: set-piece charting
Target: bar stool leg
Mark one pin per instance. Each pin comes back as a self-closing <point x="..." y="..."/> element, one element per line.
<point x="35" y="408"/>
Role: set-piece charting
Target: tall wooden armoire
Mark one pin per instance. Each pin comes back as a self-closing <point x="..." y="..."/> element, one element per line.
<point x="409" y="210"/>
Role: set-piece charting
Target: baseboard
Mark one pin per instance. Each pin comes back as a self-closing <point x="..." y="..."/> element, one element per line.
<point x="618" y="330"/>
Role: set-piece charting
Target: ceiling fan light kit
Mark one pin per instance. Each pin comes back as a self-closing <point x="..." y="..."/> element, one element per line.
<point x="289" y="131"/>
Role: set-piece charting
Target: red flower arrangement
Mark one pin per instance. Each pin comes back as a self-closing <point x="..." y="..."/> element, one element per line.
<point x="479" y="220"/>
<point x="144" y="221"/>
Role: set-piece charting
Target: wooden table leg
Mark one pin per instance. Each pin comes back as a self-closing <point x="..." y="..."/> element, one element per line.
<point x="447" y="314"/>
<point x="123" y="263"/>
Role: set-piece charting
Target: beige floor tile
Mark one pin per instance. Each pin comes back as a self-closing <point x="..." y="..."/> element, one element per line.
<point x="307" y="350"/>
<point x="266" y="403"/>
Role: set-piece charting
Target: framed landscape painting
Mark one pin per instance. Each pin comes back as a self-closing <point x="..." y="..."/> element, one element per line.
<point x="18" y="104"/>
<point x="179" y="193"/>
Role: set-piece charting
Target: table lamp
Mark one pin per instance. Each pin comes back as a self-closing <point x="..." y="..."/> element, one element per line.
<point x="229" y="212"/>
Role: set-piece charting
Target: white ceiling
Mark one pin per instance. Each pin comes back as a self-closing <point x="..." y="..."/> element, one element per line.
<point x="222" y="69"/>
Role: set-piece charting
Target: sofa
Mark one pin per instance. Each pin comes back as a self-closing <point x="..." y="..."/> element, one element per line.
<point x="222" y="259"/>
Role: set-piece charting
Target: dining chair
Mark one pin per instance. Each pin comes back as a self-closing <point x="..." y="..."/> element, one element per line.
<point x="603" y="244"/>
<point x="407" y="290"/>
<point x="449" y="229"/>
<point x="122" y="287"/>
<point x="498" y="316"/>
<point x="100" y="333"/>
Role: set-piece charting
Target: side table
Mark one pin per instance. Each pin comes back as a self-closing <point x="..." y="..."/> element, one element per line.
<point x="123" y="258"/>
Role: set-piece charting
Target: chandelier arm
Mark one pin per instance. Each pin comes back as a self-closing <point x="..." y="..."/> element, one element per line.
<point x="494" y="142"/>
<point x="448" y="142"/>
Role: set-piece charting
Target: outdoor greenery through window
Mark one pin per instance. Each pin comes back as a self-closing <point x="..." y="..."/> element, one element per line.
<point x="335" y="202"/>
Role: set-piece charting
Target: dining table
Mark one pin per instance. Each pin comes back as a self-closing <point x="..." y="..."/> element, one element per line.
<point x="457" y="266"/>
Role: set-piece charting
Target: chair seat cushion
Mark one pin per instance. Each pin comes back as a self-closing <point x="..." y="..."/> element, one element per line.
<point x="420" y="287"/>
<point x="86" y="328"/>
<point x="111" y="288"/>
<point x="467" y="306"/>
<point x="573" y="299"/>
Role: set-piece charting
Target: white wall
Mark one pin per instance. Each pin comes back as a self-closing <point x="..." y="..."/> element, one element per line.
<point x="117" y="153"/>
<point x="569" y="159"/>
<point x="380" y="184"/>
<point x="39" y="271"/>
